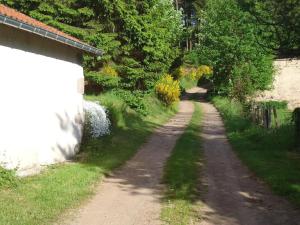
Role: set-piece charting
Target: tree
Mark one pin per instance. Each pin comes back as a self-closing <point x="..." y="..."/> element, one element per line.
<point x="278" y="22"/>
<point x="229" y="42"/>
<point x="141" y="37"/>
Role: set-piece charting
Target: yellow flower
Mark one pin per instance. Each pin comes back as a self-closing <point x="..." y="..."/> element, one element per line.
<point x="167" y="89"/>
<point x="109" y="71"/>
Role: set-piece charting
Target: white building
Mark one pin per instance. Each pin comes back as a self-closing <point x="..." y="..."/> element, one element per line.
<point x="41" y="93"/>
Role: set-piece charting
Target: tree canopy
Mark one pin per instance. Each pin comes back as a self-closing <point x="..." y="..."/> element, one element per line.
<point x="143" y="40"/>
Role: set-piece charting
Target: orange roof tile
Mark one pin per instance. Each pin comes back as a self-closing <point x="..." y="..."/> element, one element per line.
<point x="9" y="12"/>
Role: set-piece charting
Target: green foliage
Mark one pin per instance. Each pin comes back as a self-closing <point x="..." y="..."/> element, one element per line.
<point x="8" y="178"/>
<point x="104" y="81"/>
<point x="272" y="104"/>
<point x="141" y="37"/>
<point x="278" y="23"/>
<point x="228" y="38"/>
<point x="134" y="99"/>
<point x="187" y="83"/>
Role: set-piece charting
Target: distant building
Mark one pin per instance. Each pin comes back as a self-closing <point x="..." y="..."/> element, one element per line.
<point x="41" y="93"/>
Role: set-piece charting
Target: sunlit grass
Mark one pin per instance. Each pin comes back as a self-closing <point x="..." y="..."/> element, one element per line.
<point x="181" y="177"/>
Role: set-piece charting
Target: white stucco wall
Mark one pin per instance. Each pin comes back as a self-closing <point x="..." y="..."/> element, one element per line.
<point x="286" y="86"/>
<point x="41" y="110"/>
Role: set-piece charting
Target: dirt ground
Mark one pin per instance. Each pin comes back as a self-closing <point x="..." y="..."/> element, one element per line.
<point x="234" y="195"/>
<point x="132" y="195"/>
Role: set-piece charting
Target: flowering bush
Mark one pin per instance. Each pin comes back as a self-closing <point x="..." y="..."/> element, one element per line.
<point x="108" y="70"/>
<point x="204" y="70"/>
<point x="96" y="121"/>
<point x="179" y="72"/>
<point x="192" y="73"/>
<point x="167" y="89"/>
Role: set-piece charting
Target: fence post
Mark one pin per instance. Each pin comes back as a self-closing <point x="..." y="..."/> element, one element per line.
<point x="267" y="117"/>
<point x="275" y="117"/>
<point x="296" y="118"/>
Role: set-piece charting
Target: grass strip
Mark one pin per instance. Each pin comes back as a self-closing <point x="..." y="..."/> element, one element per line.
<point x="268" y="153"/>
<point x="182" y="176"/>
<point x="43" y="198"/>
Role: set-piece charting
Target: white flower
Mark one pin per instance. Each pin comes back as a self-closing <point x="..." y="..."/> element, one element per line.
<point x="97" y="122"/>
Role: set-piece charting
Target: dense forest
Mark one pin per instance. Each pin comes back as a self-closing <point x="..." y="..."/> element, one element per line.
<point x="144" y="40"/>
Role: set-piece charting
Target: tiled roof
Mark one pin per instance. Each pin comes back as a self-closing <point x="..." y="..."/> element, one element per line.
<point x="13" y="18"/>
<point x="4" y="10"/>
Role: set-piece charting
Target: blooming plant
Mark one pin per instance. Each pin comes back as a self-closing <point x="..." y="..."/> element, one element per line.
<point x="168" y="89"/>
<point x="109" y="71"/>
<point x="96" y="121"/>
<point x="204" y="70"/>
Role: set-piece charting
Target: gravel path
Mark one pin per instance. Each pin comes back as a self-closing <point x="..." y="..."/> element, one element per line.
<point x="234" y="196"/>
<point x="132" y="195"/>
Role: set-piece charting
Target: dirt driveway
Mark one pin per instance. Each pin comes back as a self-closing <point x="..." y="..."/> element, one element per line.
<point x="132" y="195"/>
<point x="233" y="196"/>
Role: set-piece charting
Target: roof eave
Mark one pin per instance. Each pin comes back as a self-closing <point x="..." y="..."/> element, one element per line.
<point x="50" y="35"/>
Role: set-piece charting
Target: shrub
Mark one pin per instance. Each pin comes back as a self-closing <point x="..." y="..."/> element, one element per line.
<point x="134" y="99"/>
<point x="192" y="73"/>
<point x="167" y="89"/>
<point x="108" y="78"/>
<point x="102" y="81"/>
<point x="109" y="71"/>
<point x="8" y="178"/>
<point x="204" y="71"/>
<point x="96" y="121"/>
<point x="179" y="73"/>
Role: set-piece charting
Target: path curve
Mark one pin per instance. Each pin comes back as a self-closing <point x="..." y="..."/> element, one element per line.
<point x="234" y="196"/>
<point x="132" y="195"/>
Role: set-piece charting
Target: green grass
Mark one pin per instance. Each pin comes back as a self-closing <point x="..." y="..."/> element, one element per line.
<point x="188" y="83"/>
<point x="42" y="199"/>
<point x="182" y="175"/>
<point x="268" y="153"/>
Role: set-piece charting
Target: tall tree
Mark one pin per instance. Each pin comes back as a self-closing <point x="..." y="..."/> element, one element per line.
<point x="228" y="42"/>
<point x="141" y="37"/>
<point x="278" y="22"/>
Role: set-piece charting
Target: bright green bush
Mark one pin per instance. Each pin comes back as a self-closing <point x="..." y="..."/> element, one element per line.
<point x="134" y="99"/>
<point x="8" y="178"/>
<point x="102" y="80"/>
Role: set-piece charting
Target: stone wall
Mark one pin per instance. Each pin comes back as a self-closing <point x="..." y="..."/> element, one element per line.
<point x="286" y="86"/>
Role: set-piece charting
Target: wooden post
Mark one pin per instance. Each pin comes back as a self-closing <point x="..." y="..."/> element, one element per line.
<point x="296" y="118"/>
<point x="267" y="117"/>
<point x="275" y="117"/>
<point x="262" y="116"/>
